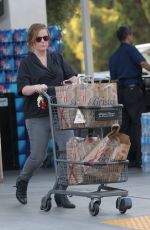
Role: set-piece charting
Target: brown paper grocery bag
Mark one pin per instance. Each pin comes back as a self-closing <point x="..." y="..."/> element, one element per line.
<point x="122" y="149"/>
<point x="98" y="94"/>
<point x="114" y="147"/>
<point x="102" y="94"/>
<point x="87" y="94"/>
<point x="66" y="95"/>
<point x="102" y="151"/>
<point x="107" y="93"/>
<point x="75" y="174"/>
<point x="77" y="148"/>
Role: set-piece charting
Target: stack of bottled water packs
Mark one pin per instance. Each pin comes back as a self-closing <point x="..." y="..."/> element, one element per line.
<point x="145" y="141"/>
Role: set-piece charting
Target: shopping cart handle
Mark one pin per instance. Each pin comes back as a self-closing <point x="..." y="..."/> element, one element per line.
<point x="45" y="94"/>
<point x="88" y="163"/>
<point x="93" y="163"/>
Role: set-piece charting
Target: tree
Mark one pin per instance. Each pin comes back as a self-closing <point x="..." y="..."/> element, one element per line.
<point x="146" y="7"/>
<point x="101" y="25"/>
<point x="58" y="11"/>
<point x="136" y="18"/>
<point x="73" y="41"/>
<point x="61" y="13"/>
<point x="103" y="22"/>
<point x="106" y="17"/>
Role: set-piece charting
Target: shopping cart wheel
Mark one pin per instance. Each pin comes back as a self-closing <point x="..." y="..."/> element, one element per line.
<point x="123" y="203"/>
<point x="94" y="207"/>
<point x="46" y="204"/>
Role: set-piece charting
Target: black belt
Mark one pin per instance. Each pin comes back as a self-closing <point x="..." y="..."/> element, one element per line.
<point x="129" y="86"/>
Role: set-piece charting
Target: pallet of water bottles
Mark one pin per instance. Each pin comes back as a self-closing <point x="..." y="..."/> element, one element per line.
<point x="13" y="42"/>
<point x="145" y="141"/>
<point x="13" y="47"/>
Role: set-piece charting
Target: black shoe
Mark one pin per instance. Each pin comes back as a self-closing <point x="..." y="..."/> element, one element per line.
<point x="21" y="191"/>
<point x="63" y="201"/>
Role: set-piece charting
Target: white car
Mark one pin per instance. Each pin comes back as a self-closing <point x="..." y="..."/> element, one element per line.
<point x="145" y="51"/>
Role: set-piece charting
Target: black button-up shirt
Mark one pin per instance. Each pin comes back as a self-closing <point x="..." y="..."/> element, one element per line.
<point x="32" y="72"/>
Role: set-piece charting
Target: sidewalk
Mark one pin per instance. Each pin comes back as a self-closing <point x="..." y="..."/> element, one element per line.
<point x="14" y="216"/>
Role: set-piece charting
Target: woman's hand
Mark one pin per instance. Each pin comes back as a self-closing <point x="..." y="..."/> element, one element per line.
<point x="72" y="80"/>
<point x="40" y="88"/>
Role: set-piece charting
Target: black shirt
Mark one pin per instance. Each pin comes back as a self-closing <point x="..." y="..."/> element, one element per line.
<point x="32" y="71"/>
<point x="125" y="66"/>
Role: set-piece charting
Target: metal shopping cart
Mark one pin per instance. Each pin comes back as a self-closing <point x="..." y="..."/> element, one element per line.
<point x="72" y="172"/>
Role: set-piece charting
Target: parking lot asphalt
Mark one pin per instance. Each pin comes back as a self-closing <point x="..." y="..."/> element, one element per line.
<point x="14" y="216"/>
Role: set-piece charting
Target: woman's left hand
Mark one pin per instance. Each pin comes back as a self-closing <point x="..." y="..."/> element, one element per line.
<point x="72" y="80"/>
<point x="40" y="88"/>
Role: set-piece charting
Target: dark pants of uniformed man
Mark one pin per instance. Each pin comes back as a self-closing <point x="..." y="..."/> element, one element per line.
<point x="132" y="98"/>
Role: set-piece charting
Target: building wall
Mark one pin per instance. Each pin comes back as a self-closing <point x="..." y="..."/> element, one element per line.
<point x="22" y="13"/>
<point x="5" y="19"/>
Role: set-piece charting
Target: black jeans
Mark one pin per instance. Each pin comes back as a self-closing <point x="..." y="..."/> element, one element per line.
<point x="132" y="99"/>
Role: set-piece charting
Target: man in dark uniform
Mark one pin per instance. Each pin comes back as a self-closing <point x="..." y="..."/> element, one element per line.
<point x="125" y="66"/>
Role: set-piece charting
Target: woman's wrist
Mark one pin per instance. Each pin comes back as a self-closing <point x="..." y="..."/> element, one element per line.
<point x="35" y="89"/>
<point x="29" y="90"/>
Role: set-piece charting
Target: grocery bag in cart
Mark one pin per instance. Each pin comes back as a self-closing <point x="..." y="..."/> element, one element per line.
<point x="87" y="99"/>
<point x="77" y="149"/>
<point x="98" y="95"/>
<point x="114" y="147"/>
<point x="66" y="95"/>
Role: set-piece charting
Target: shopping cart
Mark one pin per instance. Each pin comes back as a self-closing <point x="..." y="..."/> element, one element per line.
<point x="71" y="172"/>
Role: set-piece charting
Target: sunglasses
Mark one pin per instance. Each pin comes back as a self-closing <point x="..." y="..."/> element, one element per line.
<point x="39" y="39"/>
